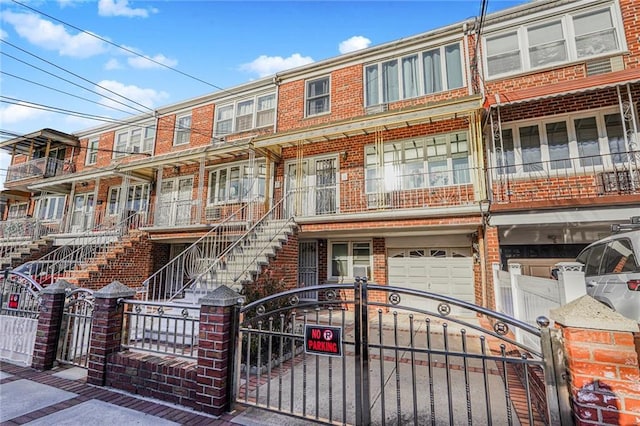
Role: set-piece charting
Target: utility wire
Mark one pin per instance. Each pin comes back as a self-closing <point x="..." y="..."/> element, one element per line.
<point x="63" y="92"/>
<point x="118" y="46"/>
<point x="78" y="76"/>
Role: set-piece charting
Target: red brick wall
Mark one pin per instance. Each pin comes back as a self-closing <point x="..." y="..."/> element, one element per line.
<point x="284" y="266"/>
<point x="166" y="379"/>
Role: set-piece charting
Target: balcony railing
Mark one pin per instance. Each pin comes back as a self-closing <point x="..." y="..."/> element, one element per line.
<point x="176" y="214"/>
<point x="40" y="167"/>
<point x="571" y="178"/>
<point x="357" y="194"/>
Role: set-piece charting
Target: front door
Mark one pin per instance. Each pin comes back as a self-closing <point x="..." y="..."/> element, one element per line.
<point x="312" y="184"/>
<point x="82" y="216"/>
<point x="175" y="203"/>
<point x="308" y="267"/>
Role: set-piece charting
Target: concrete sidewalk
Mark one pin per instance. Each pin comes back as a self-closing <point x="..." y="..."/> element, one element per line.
<point x="62" y="397"/>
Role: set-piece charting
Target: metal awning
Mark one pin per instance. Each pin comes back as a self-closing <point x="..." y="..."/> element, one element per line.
<point x="25" y="143"/>
<point x="370" y="123"/>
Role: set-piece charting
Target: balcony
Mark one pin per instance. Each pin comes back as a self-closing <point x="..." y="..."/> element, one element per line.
<point x="582" y="178"/>
<point x="39" y="168"/>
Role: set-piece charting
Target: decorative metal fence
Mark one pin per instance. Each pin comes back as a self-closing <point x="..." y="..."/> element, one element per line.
<point x="20" y="296"/>
<point x="75" y="335"/>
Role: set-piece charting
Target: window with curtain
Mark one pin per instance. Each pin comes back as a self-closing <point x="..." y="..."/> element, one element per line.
<point x="615" y="137"/>
<point x="546" y="44"/>
<point x="531" y="151"/>
<point x="595" y="33"/>
<point x="588" y="143"/>
<point x="224" y="120"/>
<point x="317" y="96"/>
<point x="265" y="116"/>
<point x="503" y="54"/>
<point x="558" y="145"/>
<point x="244" y="115"/>
<point x="414" y="75"/>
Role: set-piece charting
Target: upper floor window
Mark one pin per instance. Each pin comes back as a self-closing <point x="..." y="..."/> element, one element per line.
<point x="245" y="114"/>
<point x="92" y="151"/>
<point x="318" y="98"/>
<point x="236" y="183"/>
<point x="567" y="38"/>
<point x="419" y="74"/>
<point x="418" y="163"/>
<point x="578" y="142"/>
<point x="134" y="140"/>
<point x="183" y="130"/>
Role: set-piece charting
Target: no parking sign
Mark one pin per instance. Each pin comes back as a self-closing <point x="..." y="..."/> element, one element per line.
<point x="323" y="340"/>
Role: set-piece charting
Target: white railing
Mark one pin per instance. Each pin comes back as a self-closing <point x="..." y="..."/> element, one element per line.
<point x="526" y="298"/>
<point x="162" y="328"/>
<point x="179" y="273"/>
<point x="18" y="236"/>
<point x="40" y="167"/>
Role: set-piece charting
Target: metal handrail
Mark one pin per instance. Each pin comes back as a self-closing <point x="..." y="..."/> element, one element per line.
<point x="80" y="249"/>
<point x="206" y="247"/>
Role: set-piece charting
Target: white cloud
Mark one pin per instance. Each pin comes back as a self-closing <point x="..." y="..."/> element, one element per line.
<point x="143" y="63"/>
<point x="147" y="97"/>
<point x="113" y="64"/>
<point x="266" y="65"/>
<point x="67" y="3"/>
<point x="121" y="8"/>
<point x="52" y="36"/>
<point x="20" y="113"/>
<point x="3" y="34"/>
<point x="354" y="43"/>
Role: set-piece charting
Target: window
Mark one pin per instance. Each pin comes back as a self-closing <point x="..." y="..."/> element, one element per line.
<point x="591" y="258"/>
<point x="586" y="141"/>
<point x="17" y="211"/>
<point x="414" y="75"/>
<point x="245" y="114"/>
<point x="317" y="96"/>
<point x="50" y="208"/>
<point x="350" y="259"/>
<point x="237" y="183"/>
<point x="183" y="130"/>
<point x="619" y="258"/>
<point x="137" y="199"/>
<point x="418" y="163"/>
<point x="593" y="33"/>
<point x="134" y="140"/>
<point x="92" y="151"/>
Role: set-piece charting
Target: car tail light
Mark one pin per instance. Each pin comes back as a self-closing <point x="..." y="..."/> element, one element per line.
<point x="633" y="285"/>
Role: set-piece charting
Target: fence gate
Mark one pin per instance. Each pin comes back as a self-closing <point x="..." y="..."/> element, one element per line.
<point x="358" y="356"/>
<point x="75" y="334"/>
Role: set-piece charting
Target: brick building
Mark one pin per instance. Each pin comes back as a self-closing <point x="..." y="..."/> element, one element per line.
<point x="417" y="163"/>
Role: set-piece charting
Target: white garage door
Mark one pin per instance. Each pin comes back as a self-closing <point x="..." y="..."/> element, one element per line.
<point x="449" y="276"/>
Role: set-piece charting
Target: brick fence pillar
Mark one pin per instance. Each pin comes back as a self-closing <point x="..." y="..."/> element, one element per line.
<point x="49" y="324"/>
<point x="218" y="318"/>
<point x="106" y="330"/>
<point x="602" y="362"/>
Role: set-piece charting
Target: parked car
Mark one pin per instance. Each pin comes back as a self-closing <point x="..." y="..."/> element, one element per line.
<point x="612" y="270"/>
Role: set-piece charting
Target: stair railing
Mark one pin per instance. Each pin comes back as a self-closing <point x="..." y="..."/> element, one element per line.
<point x="80" y="251"/>
<point x="18" y="236"/>
<point x="234" y="263"/>
<point x="169" y="281"/>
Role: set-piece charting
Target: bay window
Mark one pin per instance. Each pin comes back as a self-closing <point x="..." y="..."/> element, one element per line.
<point x="414" y="75"/>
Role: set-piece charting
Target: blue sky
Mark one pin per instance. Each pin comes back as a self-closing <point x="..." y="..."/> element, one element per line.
<point x="221" y="43"/>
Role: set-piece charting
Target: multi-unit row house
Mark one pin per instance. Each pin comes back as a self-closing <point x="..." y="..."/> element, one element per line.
<point x="418" y="163"/>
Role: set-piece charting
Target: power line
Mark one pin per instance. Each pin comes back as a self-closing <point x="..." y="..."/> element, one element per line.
<point x="63" y="92"/>
<point x="119" y="46"/>
<point x="78" y="76"/>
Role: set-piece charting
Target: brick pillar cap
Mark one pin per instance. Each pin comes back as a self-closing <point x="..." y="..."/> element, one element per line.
<point x="586" y="312"/>
<point x="60" y="286"/>
<point x="115" y="290"/>
<point x="221" y="296"/>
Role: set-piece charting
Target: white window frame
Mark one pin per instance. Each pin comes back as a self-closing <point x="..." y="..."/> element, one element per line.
<point x="576" y="164"/>
<point x="114" y="208"/>
<point x="43" y="207"/>
<point x="182" y="135"/>
<point x="350" y="258"/>
<point x="400" y="172"/>
<point x="307" y="98"/>
<point x="257" y="186"/>
<point x="566" y="20"/>
<point x="421" y="89"/>
<point x="255" y="113"/>
<point x="18" y="210"/>
<point x="144" y="135"/>
<point x="92" y="151"/>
